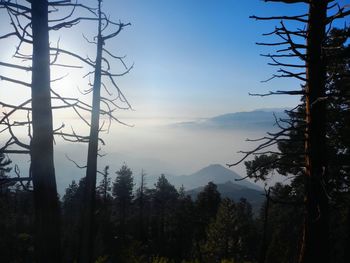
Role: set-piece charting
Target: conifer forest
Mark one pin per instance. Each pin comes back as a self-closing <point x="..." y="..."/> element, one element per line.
<point x="91" y="173"/>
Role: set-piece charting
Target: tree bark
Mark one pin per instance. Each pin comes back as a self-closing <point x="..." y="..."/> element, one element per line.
<point x="315" y="247"/>
<point x="87" y="236"/>
<point x="47" y="214"/>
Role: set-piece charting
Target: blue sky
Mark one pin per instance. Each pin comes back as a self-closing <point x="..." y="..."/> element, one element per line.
<point x="197" y="58"/>
<point x="193" y="58"/>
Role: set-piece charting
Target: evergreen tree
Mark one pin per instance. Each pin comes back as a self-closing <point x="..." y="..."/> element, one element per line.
<point x="222" y="237"/>
<point x="208" y="202"/>
<point x="232" y="235"/>
<point x="123" y="195"/>
<point x="246" y="232"/>
<point x="71" y="207"/>
<point x="164" y="191"/>
<point x="285" y="224"/>
<point x="140" y="202"/>
<point x="164" y="201"/>
<point x="16" y="217"/>
<point x="290" y="159"/>
<point x="123" y="187"/>
<point x="207" y="205"/>
<point x="184" y="226"/>
<point x="104" y="243"/>
<point x="70" y="201"/>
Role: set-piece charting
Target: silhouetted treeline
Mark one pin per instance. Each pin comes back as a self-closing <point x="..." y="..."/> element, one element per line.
<point x="163" y="224"/>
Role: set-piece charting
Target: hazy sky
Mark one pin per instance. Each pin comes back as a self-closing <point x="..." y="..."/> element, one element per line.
<point x="196" y="58"/>
<point x="192" y="59"/>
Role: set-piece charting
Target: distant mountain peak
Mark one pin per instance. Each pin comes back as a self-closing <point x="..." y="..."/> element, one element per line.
<point x="215" y="166"/>
<point x="217" y="173"/>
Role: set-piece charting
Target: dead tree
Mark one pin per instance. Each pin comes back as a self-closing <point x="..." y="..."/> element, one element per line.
<point x="42" y="172"/>
<point x="87" y="234"/>
<point x="47" y="212"/>
<point x="31" y="25"/>
<point x="305" y="45"/>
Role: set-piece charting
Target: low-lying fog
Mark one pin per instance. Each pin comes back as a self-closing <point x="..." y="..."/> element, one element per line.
<point x="166" y="146"/>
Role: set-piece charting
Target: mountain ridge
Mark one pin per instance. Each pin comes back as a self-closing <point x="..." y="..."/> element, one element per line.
<point x="260" y="118"/>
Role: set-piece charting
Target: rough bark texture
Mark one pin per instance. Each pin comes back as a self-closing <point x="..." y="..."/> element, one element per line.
<point x="47" y="232"/>
<point x="315" y="247"/>
<point x="88" y="231"/>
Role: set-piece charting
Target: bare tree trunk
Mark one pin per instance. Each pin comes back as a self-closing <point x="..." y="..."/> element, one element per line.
<point x="88" y="233"/>
<point x="315" y="247"/>
<point x="47" y="221"/>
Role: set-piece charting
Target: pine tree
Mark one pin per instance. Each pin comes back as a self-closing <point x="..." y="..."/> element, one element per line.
<point x="184" y="226"/>
<point x="207" y="205"/>
<point x="208" y="202"/>
<point x="71" y="206"/>
<point x="222" y="236"/>
<point x="123" y="195"/>
<point x="164" y="201"/>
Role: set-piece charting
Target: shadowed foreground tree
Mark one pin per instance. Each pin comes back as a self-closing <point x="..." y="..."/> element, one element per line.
<point x="30" y="26"/>
<point x="47" y="213"/>
<point x="306" y="45"/>
<point x="316" y="227"/>
<point x="42" y="172"/>
<point x="290" y="162"/>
